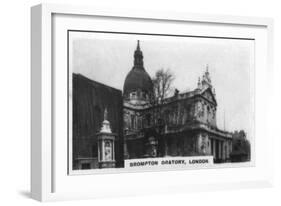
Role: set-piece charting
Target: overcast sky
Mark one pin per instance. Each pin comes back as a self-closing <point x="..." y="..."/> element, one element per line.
<point x="107" y="58"/>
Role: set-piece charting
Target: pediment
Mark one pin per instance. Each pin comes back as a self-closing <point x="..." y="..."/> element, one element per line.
<point x="209" y="95"/>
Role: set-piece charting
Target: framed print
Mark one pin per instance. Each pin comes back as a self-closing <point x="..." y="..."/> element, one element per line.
<point x="151" y="120"/>
<point x="123" y="101"/>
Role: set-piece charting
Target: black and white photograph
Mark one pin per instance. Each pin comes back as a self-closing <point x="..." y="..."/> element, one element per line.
<point x="151" y="102"/>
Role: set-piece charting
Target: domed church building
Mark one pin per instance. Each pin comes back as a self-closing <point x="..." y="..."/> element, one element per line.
<point x="184" y="125"/>
<point x="137" y="91"/>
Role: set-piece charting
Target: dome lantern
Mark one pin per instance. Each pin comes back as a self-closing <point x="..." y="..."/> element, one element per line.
<point x="138" y="57"/>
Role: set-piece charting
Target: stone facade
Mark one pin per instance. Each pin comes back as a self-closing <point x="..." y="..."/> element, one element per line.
<point x="183" y="125"/>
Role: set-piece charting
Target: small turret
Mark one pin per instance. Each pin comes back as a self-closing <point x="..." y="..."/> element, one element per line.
<point x="105" y="124"/>
<point x="206" y="79"/>
<point x="199" y="83"/>
<point x="138" y="57"/>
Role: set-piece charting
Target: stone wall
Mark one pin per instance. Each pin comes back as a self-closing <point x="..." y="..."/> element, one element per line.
<point x="90" y="99"/>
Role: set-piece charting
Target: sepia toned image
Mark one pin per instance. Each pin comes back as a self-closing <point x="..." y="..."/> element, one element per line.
<point x="152" y="102"/>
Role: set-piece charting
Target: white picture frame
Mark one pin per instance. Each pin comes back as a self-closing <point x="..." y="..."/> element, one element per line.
<point x="49" y="178"/>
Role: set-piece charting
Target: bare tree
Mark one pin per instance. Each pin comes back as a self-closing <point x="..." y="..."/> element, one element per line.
<point x="162" y="88"/>
<point x="162" y="85"/>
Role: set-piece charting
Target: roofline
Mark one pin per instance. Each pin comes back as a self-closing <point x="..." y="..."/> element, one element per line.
<point x="94" y="81"/>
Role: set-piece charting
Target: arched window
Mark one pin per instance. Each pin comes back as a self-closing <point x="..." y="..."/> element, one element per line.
<point x="143" y="95"/>
<point x="132" y="121"/>
<point x="133" y="95"/>
<point x="148" y="119"/>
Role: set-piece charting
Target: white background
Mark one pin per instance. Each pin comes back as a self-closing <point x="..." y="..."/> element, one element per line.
<point x="15" y="102"/>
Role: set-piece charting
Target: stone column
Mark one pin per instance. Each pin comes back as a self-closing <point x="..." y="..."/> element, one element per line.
<point x="226" y="152"/>
<point x="223" y="150"/>
<point x="126" y="153"/>
<point x="214" y="148"/>
<point x="219" y="148"/>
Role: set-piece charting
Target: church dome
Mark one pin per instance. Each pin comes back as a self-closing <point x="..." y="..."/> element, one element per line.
<point x="138" y="78"/>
